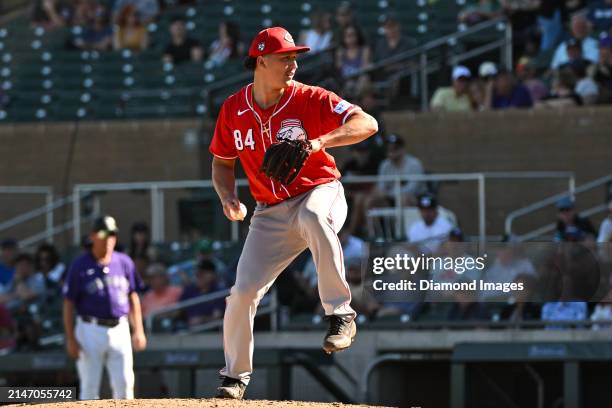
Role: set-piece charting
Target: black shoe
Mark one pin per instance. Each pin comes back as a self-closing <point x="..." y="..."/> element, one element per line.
<point x="340" y="334"/>
<point x="231" y="388"/>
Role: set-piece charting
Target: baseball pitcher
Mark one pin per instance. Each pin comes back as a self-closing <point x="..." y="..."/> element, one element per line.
<point x="280" y="130"/>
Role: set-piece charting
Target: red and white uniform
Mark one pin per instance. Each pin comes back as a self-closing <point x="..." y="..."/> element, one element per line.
<point x="245" y="131"/>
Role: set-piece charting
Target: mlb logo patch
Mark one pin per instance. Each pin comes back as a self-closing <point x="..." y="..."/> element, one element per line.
<point x="341" y="107"/>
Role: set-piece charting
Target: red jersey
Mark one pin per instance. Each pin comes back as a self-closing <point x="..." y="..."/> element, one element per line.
<point x="245" y="131"/>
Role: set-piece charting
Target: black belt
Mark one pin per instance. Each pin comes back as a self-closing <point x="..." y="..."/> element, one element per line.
<point x="100" y="322"/>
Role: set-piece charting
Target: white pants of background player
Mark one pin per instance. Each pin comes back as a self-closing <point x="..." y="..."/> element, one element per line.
<point x="105" y="346"/>
<point x="277" y="234"/>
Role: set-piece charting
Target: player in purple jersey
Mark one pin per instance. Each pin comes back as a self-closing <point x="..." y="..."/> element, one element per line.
<point x="100" y="288"/>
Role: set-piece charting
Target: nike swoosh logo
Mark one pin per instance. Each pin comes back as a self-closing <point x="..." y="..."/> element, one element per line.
<point x="240" y="113"/>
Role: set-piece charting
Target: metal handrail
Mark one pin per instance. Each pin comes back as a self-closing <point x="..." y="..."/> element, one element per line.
<point x="36" y="212"/>
<point x="430" y="45"/>
<point x="183" y="304"/>
<point x="209" y="297"/>
<point x="551" y="227"/>
<point x="552" y="200"/>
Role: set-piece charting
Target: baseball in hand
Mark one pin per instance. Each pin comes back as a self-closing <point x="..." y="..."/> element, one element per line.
<point x="239" y="215"/>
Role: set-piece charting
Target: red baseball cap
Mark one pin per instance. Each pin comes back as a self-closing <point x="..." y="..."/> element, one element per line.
<point x="274" y="40"/>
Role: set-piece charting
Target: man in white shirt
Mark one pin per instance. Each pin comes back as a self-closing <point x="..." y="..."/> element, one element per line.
<point x="432" y="229"/>
<point x="399" y="163"/>
<point x="581" y="29"/>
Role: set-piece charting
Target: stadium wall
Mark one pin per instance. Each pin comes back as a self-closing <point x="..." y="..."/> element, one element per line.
<point x="577" y="140"/>
<point x="123" y="151"/>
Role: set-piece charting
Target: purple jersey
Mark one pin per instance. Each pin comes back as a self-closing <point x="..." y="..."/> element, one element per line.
<point x="101" y="291"/>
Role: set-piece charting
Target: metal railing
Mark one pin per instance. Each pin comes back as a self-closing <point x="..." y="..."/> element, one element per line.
<point x="425" y="65"/>
<point x="271" y="309"/>
<point x="514" y="215"/>
<point x="157" y="189"/>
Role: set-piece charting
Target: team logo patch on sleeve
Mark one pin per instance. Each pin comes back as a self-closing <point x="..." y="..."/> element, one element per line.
<point x="342" y="106"/>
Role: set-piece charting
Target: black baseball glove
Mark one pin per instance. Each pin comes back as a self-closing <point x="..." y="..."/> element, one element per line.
<point x="284" y="160"/>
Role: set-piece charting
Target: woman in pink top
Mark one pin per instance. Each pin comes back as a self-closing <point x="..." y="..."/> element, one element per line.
<point x="161" y="293"/>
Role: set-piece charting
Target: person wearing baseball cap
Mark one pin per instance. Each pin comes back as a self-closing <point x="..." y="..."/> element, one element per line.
<point x="455" y="98"/>
<point x="571" y="226"/>
<point x="432" y="229"/>
<point x="275" y="111"/>
<point x="100" y="289"/>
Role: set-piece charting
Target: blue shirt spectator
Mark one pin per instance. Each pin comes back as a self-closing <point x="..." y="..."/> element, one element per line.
<point x="507" y="93"/>
<point x="206" y="283"/>
<point x="564" y="311"/>
<point x="8" y="253"/>
<point x="580" y="30"/>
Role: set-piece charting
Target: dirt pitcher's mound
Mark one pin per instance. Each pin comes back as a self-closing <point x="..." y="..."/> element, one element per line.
<point x="191" y="403"/>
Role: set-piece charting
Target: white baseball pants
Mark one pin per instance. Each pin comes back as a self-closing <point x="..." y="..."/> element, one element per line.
<point x="105" y="346"/>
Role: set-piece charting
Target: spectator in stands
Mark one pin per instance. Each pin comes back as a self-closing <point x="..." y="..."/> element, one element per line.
<point x="602" y="71"/>
<point x="360" y="163"/>
<point x="182" y="48"/>
<point x="448" y="272"/>
<point x="51" y="14"/>
<point x="97" y="34"/>
<point x="563" y="92"/>
<point x="571" y="226"/>
<point x="573" y="48"/>
<point x="47" y="262"/>
<point x="505" y="92"/>
<point x="586" y="88"/>
<point x="161" y="293"/>
<point x="393" y="43"/>
<point x="509" y="263"/>
<point x="477" y="12"/>
<point x="600" y="15"/>
<point x="352" y="56"/>
<point x="363" y="301"/>
<point x="227" y="46"/>
<point x="8" y="249"/>
<point x="85" y="11"/>
<point x="140" y="239"/>
<point x="521" y="306"/>
<point x="432" y="229"/>
<point x="465" y="306"/>
<point x="605" y="230"/>
<point x="319" y="36"/>
<point x="580" y="29"/>
<point x="397" y="163"/>
<point x="526" y="73"/>
<point x="130" y="34"/>
<point x="141" y="263"/>
<point x="564" y="311"/>
<point x="27" y="284"/>
<point x="344" y="18"/>
<point x="455" y="98"/>
<point x="353" y="249"/>
<point x="206" y="283"/>
<point x="8" y="331"/>
<point x="147" y="9"/>
<point x="478" y="86"/>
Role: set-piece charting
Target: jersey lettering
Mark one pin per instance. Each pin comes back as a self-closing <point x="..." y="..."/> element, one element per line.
<point x="248" y="141"/>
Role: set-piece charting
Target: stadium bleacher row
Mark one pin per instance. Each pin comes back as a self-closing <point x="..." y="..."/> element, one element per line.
<point x="46" y="81"/>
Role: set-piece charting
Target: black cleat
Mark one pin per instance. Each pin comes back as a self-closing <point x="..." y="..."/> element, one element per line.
<point x="231" y="388"/>
<point x="340" y="334"/>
